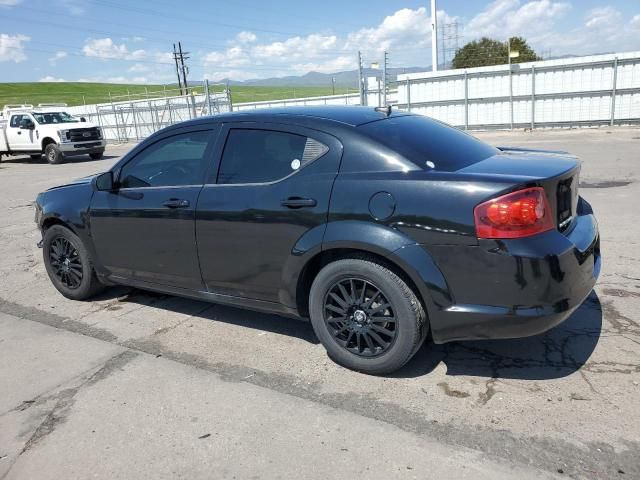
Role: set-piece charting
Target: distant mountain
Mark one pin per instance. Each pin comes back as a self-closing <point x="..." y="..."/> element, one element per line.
<point x="317" y="79"/>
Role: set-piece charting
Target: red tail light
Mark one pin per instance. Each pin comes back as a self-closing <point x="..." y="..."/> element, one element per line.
<point x="515" y="215"/>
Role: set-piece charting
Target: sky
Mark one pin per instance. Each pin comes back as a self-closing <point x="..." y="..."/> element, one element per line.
<point x="131" y="41"/>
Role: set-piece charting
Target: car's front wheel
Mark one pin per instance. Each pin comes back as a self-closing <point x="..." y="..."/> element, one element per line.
<point x="366" y="316"/>
<point x="69" y="264"/>
<point x="53" y="154"/>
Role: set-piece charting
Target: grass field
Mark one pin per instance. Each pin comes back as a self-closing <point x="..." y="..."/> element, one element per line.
<point x="75" y="93"/>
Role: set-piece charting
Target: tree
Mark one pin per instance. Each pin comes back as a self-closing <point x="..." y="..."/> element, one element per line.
<point x="486" y="51"/>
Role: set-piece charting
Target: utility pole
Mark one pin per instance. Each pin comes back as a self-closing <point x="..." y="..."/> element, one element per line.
<point x="175" y="58"/>
<point x="434" y="37"/>
<point x="384" y="79"/>
<point x="360" y="80"/>
<point x="183" y="57"/>
<point x="510" y="85"/>
<point x="333" y="85"/>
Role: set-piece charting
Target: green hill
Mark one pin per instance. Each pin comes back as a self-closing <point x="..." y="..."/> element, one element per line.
<point x="78" y="93"/>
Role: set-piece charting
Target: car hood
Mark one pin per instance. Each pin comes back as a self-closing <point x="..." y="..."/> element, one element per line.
<point x="78" y="181"/>
<point x="71" y="125"/>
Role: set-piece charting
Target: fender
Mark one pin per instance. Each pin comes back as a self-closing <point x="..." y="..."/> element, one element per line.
<point x="378" y="239"/>
<point x="72" y="210"/>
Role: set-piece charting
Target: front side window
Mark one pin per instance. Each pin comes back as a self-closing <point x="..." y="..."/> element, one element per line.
<point x="261" y="156"/>
<point x="15" y="121"/>
<point x="174" y="161"/>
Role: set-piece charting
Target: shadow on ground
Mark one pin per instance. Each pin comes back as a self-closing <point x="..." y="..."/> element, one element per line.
<point x="554" y="354"/>
<point x="291" y="327"/>
<point x="557" y="353"/>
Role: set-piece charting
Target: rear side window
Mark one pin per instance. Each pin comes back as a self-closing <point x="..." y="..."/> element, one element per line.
<point x="428" y="143"/>
<point x="261" y="156"/>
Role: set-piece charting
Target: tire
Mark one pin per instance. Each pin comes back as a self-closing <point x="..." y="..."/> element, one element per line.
<point x="404" y="335"/>
<point x="37" y="156"/>
<point x="76" y="279"/>
<point x="96" y="156"/>
<point x="53" y="154"/>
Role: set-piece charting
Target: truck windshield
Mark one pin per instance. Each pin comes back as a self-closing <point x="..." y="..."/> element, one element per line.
<point x="53" y="117"/>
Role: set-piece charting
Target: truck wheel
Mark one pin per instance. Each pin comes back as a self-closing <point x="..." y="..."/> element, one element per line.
<point x="36" y="156"/>
<point x="53" y="154"/>
<point x="96" y="156"/>
<point x="366" y="316"/>
<point x="69" y="264"/>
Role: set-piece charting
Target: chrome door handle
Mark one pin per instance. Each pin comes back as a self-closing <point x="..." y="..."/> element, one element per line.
<point x="176" y="203"/>
<point x="297" y="202"/>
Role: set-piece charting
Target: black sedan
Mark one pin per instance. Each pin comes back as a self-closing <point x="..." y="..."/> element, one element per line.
<point x="379" y="226"/>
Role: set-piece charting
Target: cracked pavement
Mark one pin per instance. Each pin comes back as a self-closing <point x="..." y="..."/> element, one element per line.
<point x="137" y="385"/>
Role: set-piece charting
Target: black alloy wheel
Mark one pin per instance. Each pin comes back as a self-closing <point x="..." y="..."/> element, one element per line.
<point x="359" y="317"/>
<point x="66" y="262"/>
<point x="366" y="316"/>
<point x="69" y="264"/>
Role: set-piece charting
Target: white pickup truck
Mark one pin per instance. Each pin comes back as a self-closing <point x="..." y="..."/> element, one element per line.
<point x="47" y="129"/>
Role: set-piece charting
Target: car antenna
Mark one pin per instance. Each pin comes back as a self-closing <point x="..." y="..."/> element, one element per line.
<point x="386" y="110"/>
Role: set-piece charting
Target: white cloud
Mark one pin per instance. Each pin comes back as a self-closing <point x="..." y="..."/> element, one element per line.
<point x="505" y="18"/>
<point x="57" y="56"/>
<point x="139" y="68"/>
<point x="50" y="78"/>
<point x="231" y="58"/>
<point x="12" y="48"/>
<point x="246" y="37"/>
<point x="603" y="17"/>
<point x="296" y="47"/>
<point x="406" y="27"/>
<point x="74" y="7"/>
<point x="9" y="3"/>
<point x="106" y="48"/>
<point x="604" y="30"/>
<point x="336" y="64"/>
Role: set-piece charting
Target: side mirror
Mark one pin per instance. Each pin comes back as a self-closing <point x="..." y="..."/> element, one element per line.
<point x="105" y="183"/>
<point x="82" y="119"/>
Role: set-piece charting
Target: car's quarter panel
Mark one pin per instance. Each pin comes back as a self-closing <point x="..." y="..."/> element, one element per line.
<point x="516" y="287"/>
<point x="248" y="241"/>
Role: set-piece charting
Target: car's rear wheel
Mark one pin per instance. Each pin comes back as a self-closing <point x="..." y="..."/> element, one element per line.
<point x="53" y="154"/>
<point x="366" y="316"/>
<point x="69" y="264"/>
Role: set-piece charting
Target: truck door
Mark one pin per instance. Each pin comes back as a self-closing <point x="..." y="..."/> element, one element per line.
<point x="20" y="138"/>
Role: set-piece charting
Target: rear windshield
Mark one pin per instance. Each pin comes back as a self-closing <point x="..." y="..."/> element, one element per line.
<point x="428" y="143"/>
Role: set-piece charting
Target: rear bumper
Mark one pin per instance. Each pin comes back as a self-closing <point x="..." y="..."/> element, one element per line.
<point x="516" y="288"/>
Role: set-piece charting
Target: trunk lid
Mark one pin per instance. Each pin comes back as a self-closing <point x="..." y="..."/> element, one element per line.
<point x="557" y="172"/>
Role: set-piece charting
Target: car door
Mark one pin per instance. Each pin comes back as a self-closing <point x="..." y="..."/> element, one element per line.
<point x="19" y="138"/>
<point x="273" y="187"/>
<point x="145" y="230"/>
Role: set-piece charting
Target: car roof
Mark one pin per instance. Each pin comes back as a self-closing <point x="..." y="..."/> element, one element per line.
<point x="346" y="115"/>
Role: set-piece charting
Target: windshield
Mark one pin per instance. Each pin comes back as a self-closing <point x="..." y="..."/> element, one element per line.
<point x="429" y="143"/>
<point x="54" y="117"/>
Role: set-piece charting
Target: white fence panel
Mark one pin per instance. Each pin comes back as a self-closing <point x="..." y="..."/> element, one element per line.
<point x="593" y="90"/>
